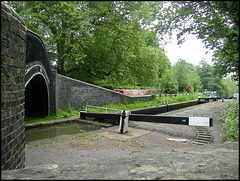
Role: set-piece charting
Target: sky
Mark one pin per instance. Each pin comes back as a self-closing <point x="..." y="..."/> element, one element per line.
<point x="192" y="50"/>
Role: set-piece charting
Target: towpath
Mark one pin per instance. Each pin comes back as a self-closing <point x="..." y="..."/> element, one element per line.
<point x="147" y="151"/>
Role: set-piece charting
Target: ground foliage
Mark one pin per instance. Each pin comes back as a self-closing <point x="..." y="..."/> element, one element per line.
<point x="230" y="116"/>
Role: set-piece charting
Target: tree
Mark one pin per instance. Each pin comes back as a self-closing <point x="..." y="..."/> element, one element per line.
<point x="98" y="41"/>
<point x="212" y="82"/>
<point x="205" y="71"/>
<point x="226" y="91"/>
<point x="181" y="74"/>
<point x="62" y="25"/>
<point x="167" y="83"/>
<point x="215" y="22"/>
<point x="229" y="87"/>
<point x="186" y="76"/>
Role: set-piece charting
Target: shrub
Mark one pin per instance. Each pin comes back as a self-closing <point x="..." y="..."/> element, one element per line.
<point x="70" y="111"/>
<point x="173" y="91"/>
<point x="107" y="86"/>
<point x="230" y="116"/>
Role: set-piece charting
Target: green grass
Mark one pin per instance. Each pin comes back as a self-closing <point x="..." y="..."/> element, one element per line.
<point x="156" y="102"/>
<point x="30" y="120"/>
<point x="230" y="116"/>
<point x="69" y="112"/>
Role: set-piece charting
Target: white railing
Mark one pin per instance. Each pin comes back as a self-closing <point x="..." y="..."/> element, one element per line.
<point x="163" y="99"/>
<point x="106" y="108"/>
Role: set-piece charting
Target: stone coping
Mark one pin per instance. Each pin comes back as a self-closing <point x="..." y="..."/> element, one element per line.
<point x="73" y="118"/>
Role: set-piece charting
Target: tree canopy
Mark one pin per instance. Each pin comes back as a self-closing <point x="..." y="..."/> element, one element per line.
<point x="215" y="22"/>
<point x="119" y="42"/>
<point x="98" y="41"/>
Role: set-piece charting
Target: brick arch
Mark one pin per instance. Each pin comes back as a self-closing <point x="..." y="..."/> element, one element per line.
<point x="37" y="63"/>
<point x="37" y="97"/>
<point x="34" y="70"/>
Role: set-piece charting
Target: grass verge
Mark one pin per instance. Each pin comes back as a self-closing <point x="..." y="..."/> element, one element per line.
<point x="69" y="112"/>
<point x="230" y="116"/>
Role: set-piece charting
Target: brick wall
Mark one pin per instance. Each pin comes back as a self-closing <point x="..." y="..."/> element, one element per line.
<point x="13" y="48"/>
<point x="79" y="93"/>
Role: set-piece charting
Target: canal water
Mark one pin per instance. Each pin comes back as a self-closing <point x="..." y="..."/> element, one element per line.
<point x="51" y="131"/>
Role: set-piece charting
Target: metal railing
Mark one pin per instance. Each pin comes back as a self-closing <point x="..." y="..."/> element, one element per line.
<point x="104" y="108"/>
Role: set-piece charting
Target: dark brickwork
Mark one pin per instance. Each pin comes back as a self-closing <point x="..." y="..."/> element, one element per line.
<point x="13" y="56"/>
<point x="53" y="109"/>
<point x="79" y="94"/>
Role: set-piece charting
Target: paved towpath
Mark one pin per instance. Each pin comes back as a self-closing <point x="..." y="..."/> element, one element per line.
<point x="145" y="152"/>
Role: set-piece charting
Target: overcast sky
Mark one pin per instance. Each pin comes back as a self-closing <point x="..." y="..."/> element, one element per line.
<point x="192" y="50"/>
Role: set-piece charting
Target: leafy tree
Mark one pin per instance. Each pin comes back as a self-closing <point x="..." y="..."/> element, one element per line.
<point x="151" y="39"/>
<point x="212" y="82"/>
<point x="186" y="76"/>
<point x="205" y="71"/>
<point x="62" y="24"/>
<point x="209" y="81"/>
<point x="98" y="41"/>
<point x="181" y="74"/>
<point x="215" y="85"/>
<point x="168" y="83"/>
<point x="226" y="91"/>
<point x="215" y="22"/>
<point x="229" y="87"/>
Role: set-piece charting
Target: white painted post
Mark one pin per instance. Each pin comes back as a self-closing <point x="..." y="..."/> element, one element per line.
<point x="123" y="124"/>
<point x="126" y="121"/>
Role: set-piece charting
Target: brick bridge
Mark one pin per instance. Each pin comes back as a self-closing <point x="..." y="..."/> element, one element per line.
<point x="37" y="78"/>
<point x="46" y="91"/>
<point x="30" y="87"/>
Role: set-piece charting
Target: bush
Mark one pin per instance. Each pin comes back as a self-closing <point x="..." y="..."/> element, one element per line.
<point x="107" y="86"/>
<point x="70" y="111"/>
<point x="230" y="116"/>
<point x="173" y="91"/>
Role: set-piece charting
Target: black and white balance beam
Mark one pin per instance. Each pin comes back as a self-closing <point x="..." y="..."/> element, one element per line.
<point x="125" y="116"/>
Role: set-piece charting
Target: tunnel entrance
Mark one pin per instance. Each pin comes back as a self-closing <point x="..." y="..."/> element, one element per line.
<point x="36" y="97"/>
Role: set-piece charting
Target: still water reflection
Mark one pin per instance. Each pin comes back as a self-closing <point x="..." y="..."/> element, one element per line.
<point x="67" y="128"/>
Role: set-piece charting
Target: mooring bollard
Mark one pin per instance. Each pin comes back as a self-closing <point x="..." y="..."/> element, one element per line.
<point x="123" y="124"/>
